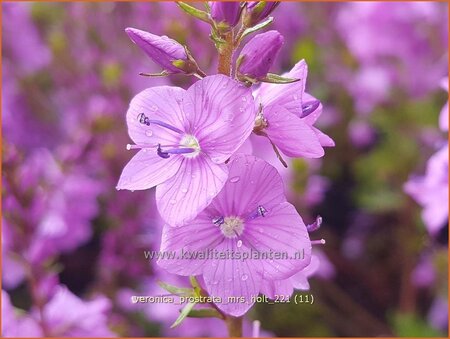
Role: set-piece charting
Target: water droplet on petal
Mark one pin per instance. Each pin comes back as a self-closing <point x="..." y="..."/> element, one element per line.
<point x="149" y="133"/>
<point x="239" y="243"/>
<point x="244" y="277"/>
<point x="229" y="117"/>
<point x="173" y="201"/>
<point x="244" y="98"/>
<point x="235" y="179"/>
<point x="241" y="109"/>
<point x="184" y="190"/>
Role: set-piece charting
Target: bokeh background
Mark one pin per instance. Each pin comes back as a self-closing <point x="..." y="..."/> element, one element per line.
<point x="72" y="246"/>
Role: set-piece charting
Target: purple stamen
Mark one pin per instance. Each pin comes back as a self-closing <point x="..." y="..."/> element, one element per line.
<point x="259" y="212"/>
<point x="218" y="221"/>
<point x="162" y="154"/>
<point x="180" y="150"/>
<point x="318" y="242"/>
<point x="309" y="107"/>
<point x="143" y="119"/>
<point x="315" y="225"/>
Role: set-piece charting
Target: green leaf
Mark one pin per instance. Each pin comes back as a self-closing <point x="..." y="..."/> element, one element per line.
<point x="201" y="15"/>
<point x="180" y="291"/>
<point x="258" y="27"/>
<point x="278" y="79"/>
<point x="205" y="313"/>
<point x="184" y="312"/>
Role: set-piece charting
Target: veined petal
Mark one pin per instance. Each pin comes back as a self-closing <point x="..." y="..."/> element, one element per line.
<point x="251" y="182"/>
<point x="291" y="134"/>
<point x="146" y="169"/>
<point x="281" y="231"/>
<point x="277" y="289"/>
<point x="158" y="103"/>
<point x="191" y="190"/>
<point x="325" y="140"/>
<point x="312" y="117"/>
<point x="220" y="112"/>
<point x="232" y="278"/>
<point x="288" y="96"/>
<point x="189" y="246"/>
<point x="300" y="279"/>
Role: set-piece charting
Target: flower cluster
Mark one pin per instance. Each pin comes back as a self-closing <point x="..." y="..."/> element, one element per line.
<point x="195" y="147"/>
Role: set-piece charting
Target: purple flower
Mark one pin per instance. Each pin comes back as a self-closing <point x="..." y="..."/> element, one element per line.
<point x="259" y="10"/>
<point x="258" y="55"/>
<point x="249" y="217"/>
<point x="166" y="52"/>
<point x="184" y="138"/>
<point x="431" y="191"/>
<point x="288" y="115"/>
<point x="226" y="12"/>
<point x="69" y="316"/>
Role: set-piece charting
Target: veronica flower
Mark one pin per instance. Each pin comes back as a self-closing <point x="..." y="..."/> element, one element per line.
<point x="258" y="55"/>
<point x="184" y="138"/>
<point x="287" y="115"/>
<point x="227" y="13"/>
<point x="249" y="215"/>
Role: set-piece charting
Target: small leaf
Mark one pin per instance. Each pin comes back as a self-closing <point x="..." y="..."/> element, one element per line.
<point x="205" y="313"/>
<point x="180" y="291"/>
<point x="277" y="79"/>
<point x="256" y="28"/>
<point x="184" y="312"/>
<point x="201" y="15"/>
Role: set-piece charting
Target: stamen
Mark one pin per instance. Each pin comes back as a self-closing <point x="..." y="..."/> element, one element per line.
<point x="162" y="154"/>
<point x="315" y="225"/>
<point x="218" y="221"/>
<point x="143" y="119"/>
<point x="259" y="212"/>
<point x="318" y="242"/>
<point x="180" y="150"/>
<point x="309" y="107"/>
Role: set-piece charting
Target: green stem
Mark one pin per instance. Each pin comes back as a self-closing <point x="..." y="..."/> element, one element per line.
<point x="234" y="326"/>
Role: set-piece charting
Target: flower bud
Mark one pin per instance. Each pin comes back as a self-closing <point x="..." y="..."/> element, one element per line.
<point x="258" y="55"/>
<point x="225" y="13"/>
<point x="257" y="11"/>
<point x="166" y="52"/>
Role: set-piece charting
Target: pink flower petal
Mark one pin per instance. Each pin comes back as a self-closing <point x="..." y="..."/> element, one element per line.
<point x="280" y="231"/>
<point x="192" y="189"/>
<point x="157" y="103"/>
<point x="279" y="290"/>
<point x="146" y="169"/>
<point x="194" y="240"/>
<point x="287" y="95"/>
<point x="221" y="114"/>
<point x="232" y="277"/>
<point x="291" y="134"/>
<point x="251" y="182"/>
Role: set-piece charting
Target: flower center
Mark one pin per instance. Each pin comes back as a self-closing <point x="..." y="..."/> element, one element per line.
<point x="232" y="227"/>
<point x="191" y="142"/>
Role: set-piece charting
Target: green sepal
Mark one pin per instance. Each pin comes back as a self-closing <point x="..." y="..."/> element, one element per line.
<point x="278" y="79"/>
<point x="201" y="15"/>
<point x="162" y="74"/>
<point x="183" y="314"/>
<point x="205" y="313"/>
<point x="257" y="27"/>
<point x="179" y="291"/>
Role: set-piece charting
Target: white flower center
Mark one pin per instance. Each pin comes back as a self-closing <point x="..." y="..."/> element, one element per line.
<point x="232" y="227"/>
<point x="190" y="141"/>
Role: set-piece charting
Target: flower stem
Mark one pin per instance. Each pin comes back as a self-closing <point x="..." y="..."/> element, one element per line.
<point x="226" y="54"/>
<point x="234" y="325"/>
